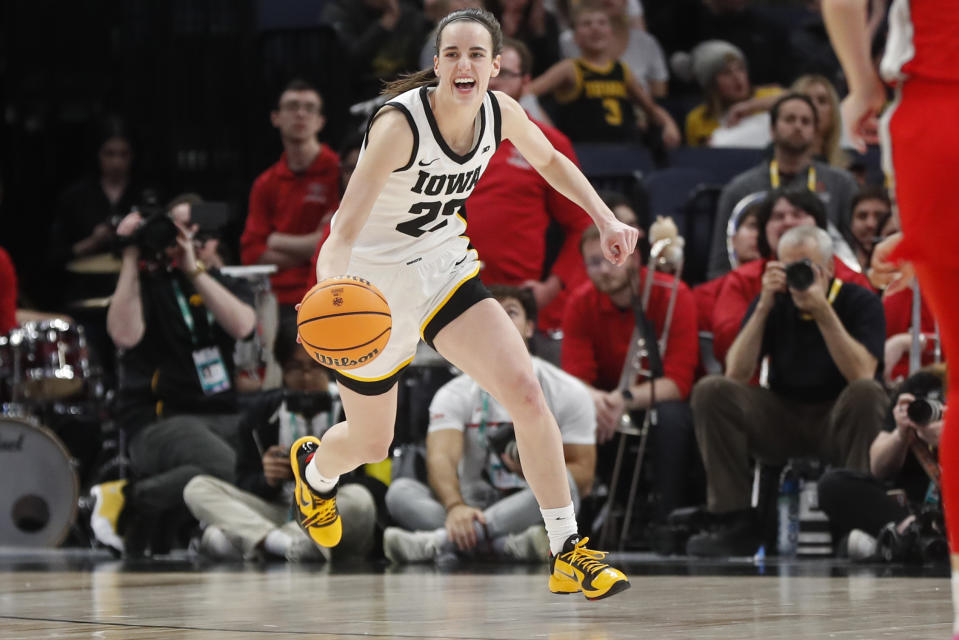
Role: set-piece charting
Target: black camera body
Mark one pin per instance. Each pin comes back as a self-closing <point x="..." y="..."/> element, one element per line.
<point x="503" y="440"/>
<point x="306" y="404"/>
<point x="800" y="274"/>
<point x="922" y="411"/>
<point x="157" y="232"/>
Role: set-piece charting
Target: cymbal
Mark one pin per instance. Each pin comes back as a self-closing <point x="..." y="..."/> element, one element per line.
<point x="97" y="263"/>
<point x="92" y="303"/>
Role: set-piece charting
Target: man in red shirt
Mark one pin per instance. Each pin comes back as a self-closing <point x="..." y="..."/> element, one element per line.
<point x="512" y="207"/>
<point x="291" y="203"/>
<point x="597" y="328"/>
<point x="782" y="210"/>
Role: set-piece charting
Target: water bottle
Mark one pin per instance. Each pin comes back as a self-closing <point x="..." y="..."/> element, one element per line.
<point x="788" y="507"/>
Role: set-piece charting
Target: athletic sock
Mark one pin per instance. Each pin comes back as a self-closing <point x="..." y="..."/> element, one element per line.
<point x="560" y="525"/>
<point x="317" y="481"/>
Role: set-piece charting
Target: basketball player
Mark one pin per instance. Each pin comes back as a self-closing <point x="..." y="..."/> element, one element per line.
<point x="920" y="151"/>
<point x="400" y="225"/>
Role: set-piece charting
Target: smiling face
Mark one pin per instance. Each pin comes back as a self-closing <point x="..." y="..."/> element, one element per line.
<point x="865" y="221"/>
<point x="465" y="62"/>
<point x="785" y="216"/>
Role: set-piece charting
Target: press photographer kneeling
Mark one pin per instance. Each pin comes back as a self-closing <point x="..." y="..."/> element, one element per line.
<point x="894" y="513"/>
<point x="824" y="340"/>
<point x="176" y="322"/>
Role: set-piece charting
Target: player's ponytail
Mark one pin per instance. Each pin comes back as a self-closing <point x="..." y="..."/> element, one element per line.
<point x="426" y="77"/>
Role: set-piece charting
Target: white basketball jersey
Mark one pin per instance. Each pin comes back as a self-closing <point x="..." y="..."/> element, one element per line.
<point x="420" y="209"/>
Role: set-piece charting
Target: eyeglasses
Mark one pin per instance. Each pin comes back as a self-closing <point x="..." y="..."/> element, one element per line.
<point x="293" y="106"/>
<point x="507" y="74"/>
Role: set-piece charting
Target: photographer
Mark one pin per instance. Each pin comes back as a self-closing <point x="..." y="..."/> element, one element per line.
<point x="480" y="501"/>
<point x="824" y="340"/>
<point x="177" y="322"/>
<point x="251" y="518"/>
<point x="903" y="456"/>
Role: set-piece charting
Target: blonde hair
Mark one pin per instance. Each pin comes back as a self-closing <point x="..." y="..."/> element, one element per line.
<point x="830" y="138"/>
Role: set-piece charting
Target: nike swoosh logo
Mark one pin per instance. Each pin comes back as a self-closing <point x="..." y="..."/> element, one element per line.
<point x="426" y="164"/>
<point x="304" y="503"/>
<point x="486" y="148"/>
<point x="563" y="573"/>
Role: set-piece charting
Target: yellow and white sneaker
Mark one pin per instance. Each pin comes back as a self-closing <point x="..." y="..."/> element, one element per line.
<point x="577" y="568"/>
<point x="108" y="502"/>
<point x="316" y="513"/>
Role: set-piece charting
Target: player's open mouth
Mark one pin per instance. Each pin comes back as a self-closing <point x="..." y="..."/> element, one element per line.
<point x="464" y="85"/>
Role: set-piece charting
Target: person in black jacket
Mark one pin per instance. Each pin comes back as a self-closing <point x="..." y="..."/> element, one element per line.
<point x="251" y="518"/>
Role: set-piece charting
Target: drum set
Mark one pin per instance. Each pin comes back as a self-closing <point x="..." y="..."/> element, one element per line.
<point x="46" y="377"/>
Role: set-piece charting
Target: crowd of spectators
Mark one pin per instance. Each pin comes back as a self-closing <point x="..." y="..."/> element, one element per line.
<point x="206" y="445"/>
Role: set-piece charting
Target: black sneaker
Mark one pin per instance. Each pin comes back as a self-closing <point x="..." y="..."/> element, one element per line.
<point x="734" y="535"/>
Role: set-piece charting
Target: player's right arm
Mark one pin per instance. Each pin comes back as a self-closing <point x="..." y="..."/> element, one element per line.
<point x="388" y="147"/>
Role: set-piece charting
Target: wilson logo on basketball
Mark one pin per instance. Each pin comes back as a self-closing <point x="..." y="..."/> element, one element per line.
<point x="344" y="362"/>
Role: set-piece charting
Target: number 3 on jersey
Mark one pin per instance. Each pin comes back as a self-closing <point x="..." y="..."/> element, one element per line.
<point x="426" y="213"/>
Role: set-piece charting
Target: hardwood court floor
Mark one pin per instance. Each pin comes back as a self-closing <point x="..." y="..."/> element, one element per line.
<point x="112" y="600"/>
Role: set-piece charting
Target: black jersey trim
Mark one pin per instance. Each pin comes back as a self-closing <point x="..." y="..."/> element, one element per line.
<point x="497" y="118"/>
<point x="409" y="118"/>
<point x="431" y="119"/>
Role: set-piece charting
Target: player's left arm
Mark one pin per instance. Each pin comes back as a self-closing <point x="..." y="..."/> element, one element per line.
<point x="619" y="240"/>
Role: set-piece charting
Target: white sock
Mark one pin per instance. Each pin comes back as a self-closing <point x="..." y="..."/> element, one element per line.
<point x="277" y="543"/>
<point x="560" y="525"/>
<point x="317" y="481"/>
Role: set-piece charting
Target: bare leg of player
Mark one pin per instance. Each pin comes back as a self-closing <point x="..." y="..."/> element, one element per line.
<point x="365" y="436"/>
<point x="486" y="346"/>
<point x="484" y="343"/>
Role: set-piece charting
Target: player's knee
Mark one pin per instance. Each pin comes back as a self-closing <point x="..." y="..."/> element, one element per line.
<point x="376" y="449"/>
<point x="525" y="396"/>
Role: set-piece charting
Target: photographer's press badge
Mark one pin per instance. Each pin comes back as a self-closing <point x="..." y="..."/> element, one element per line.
<point x="211" y="371"/>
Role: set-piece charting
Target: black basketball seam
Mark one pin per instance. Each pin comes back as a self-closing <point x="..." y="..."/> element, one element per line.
<point x="346" y="313"/>
<point x="313" y="346"/>
<point x="349" y="284"/>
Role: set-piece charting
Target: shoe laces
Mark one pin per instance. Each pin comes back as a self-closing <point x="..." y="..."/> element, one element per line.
<point x="586" y="559"/>
<point x="326" y="512"/>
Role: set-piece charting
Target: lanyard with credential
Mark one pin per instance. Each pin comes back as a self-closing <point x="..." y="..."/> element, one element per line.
<point x="185" y="310"/>
<point x="774" y="176"/>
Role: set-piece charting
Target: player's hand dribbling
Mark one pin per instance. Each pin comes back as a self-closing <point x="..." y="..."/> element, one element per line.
<point x="618" y="241"/>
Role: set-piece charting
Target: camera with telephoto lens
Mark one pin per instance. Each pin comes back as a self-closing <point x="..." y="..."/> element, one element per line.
<point x="800" y="274"/>
<point x="308" y="404"/>
<point x="503" y="440"/>
<point x="923" y="411"/>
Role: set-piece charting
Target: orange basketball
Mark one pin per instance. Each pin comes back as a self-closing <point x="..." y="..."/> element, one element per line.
<point x="344" y="322"/>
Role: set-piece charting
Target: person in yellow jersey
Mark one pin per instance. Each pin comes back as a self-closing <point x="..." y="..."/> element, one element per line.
<point x="598" y="95"/>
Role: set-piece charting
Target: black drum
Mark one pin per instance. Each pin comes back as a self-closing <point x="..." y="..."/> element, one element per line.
<point x="38" y="486"/>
